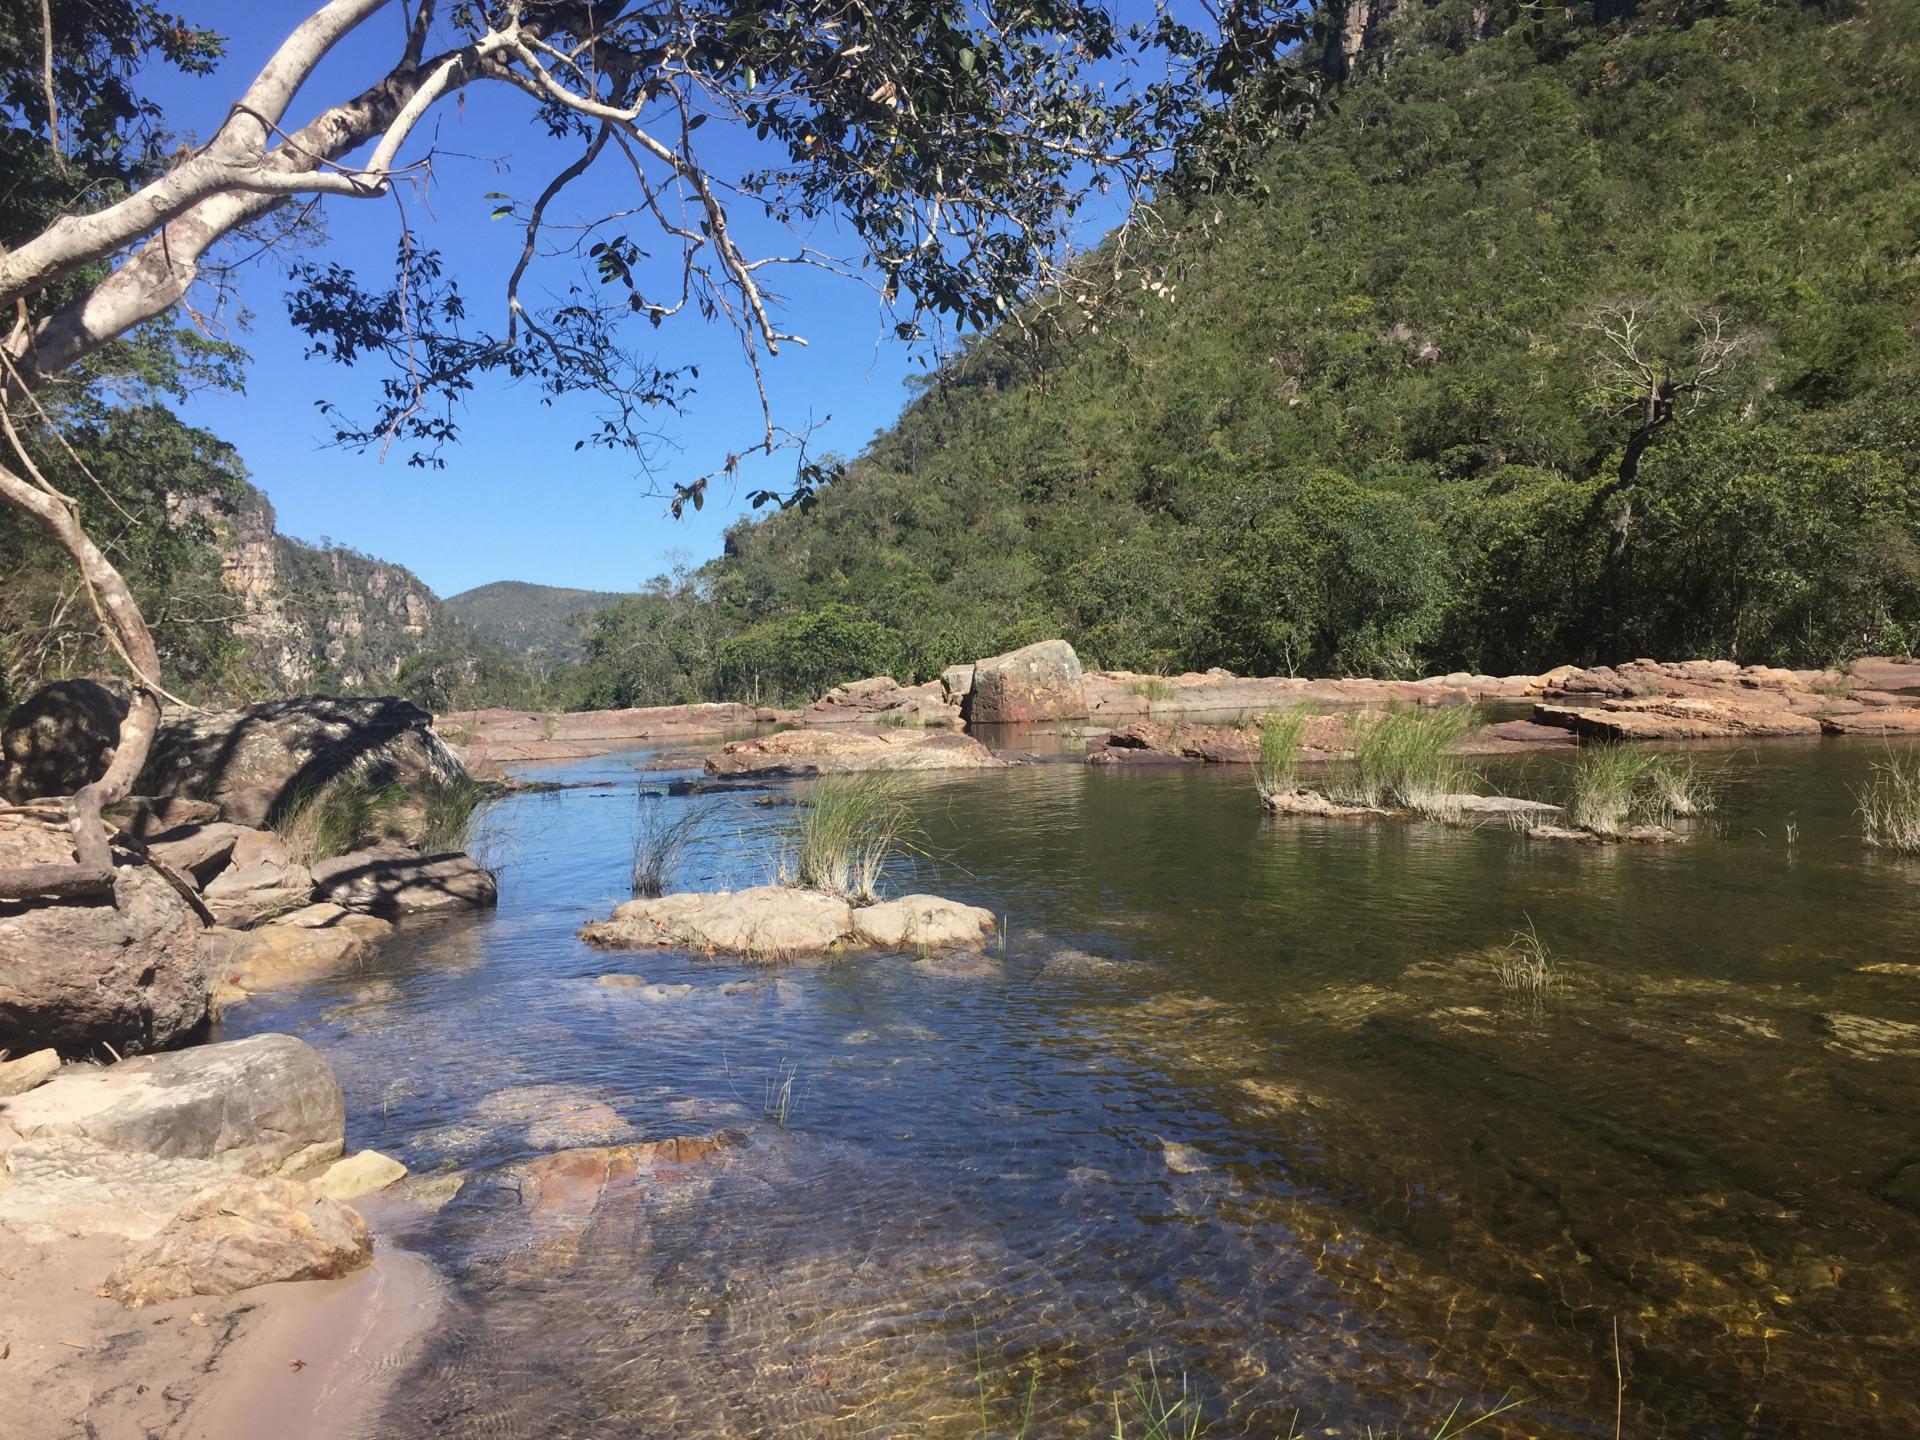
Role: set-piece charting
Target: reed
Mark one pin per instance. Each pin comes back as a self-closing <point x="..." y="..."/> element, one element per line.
<point x="1403" y="758"/>
<point x="1527" y="970"/>
<point x="1680" y="786"/>
<point x="1278" y="761"/>
<point x="1606" y="788"/>
<point x="1889" y="804"/>
<point x="846" y="833"/>
<point x="661" y="840"/>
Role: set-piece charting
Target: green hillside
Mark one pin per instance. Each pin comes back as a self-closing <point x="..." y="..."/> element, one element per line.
<point x="1370" y="418"/>
<point x="523" y="616"/>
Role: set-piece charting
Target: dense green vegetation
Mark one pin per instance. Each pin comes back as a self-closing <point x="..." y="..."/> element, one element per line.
<point x="525" y="617"/>
<point x="1368" y="418"/>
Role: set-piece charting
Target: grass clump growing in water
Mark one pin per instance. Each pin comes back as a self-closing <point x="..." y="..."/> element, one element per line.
<point x="660" y="842"/>
<point x="1403" y="758"/>
<point x="845" y="832"/>
<point x="1605" y="793"/>
<point x="1680" y="786"/>
<point x="1527" y="971"/>
<point x="1889" y="804"/>
<point x="1278" y="761"/>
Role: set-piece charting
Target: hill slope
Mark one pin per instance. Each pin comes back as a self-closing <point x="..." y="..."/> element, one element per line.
<point x="1371" y="419"/>
<point x="523" y="616"/>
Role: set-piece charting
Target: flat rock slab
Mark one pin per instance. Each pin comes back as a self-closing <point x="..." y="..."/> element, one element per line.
<point x="244" y="1233"/>
<point x="201" y="851"/>
<point x="825" y="752"/>
<point x="1889" y="720"/>
<point x="770" y="922"/>
<point x="260" y="1106"/>
<point x="55" y="1187"/>
<point x="245" y="894"/>
<point x="776" y="922"/>
<point x="389" y="880"/>
<point x="1684" y="718"/>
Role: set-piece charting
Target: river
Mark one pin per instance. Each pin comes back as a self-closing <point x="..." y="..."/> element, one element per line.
<point x="1241" y="1109"/>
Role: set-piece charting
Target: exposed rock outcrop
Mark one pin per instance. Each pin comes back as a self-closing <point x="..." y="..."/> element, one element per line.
<point x="821" y="752"/>
<point x="389" y="880"/>
<point x="241" y="1234"/>
<point x="59" y="739"/>
<point x="884" y="701"/>
<point x="497" y="736"/>
<point x="77" y="975"/>
<point x="776" y="922"/>
<point x="1035" y="683"/>
<point x="256" y="762"/>
<point x="1678" y="719"/>
<point x="313" y="940"/>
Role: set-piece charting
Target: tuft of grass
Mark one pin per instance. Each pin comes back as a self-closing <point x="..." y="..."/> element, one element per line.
<point x="1152" y="688"/>
<point x="1279" y="759"/>
<point x="660" y="842"/>
<point x="1889" y="804"/>
<point x="449" y="810"/>
<point x="1150" y="1409"/>
<point x="1606" y="788"/>
<point x="1528" y="971"/>
<point x="1403" y="758"/>
<point x="342" y="815"/>
<point x="844" y="835"/>
<point x="780" y="1102"/>
<point x="1680" y="786"/>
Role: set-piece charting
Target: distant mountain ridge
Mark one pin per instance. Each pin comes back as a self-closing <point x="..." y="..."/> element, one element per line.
<point x="526" y="617"/>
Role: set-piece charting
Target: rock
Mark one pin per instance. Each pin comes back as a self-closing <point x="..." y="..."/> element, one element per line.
<point x="573" y="1182"/>
<point x="245" y="1233"/>
<point x="488" y="737"/>
<point x="260" y="1106"/>
<point x="359" y="1174"/>
<point x="1183" y="1159"/>
<point x="1866" y="1037"/>
<point x="255" y="763"/>
<point x="1901" y="720"/>
<point x="59" y="739"/>
<point x="197" y="851"/>
<point x="75" y="976"/>
<point x="397" y="880"/>
<point x="55" y="1188"/>
<point x="915" y="921"/>
<point x="312" y="940"/>
<point x="769" y="922"/>
<point x="819" y="752"/>
<point x="1034" y="683"/>
<point x="1312" y="802"/>
<point x="245" y="894"/>
<point x="1883" y="967"/>
<point x="1499" y="805"/>
<point x="146" y="816"/>
<point x="884" y="701"/>
<point x="19" y="1076"/>
<point x="621" y="981"/>
<point x="1686" y="718"/>
<point x="957" y="681"/>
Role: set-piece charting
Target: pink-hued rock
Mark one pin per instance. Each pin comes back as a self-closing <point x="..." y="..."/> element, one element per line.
<point x="884" y="701"/>
<point x="822" y="752"/>
<point x="1032" y="684"/>
<point x="1686" y="718"/>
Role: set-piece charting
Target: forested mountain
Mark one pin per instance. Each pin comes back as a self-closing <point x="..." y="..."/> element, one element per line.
<point x="1592" y="338"/>
<point x="523" y="617"/>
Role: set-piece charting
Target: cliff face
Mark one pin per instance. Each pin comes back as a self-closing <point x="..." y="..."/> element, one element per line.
<point x="314" y="617"/>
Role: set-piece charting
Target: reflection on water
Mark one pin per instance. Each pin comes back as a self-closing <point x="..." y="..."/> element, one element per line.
<point x="1244" y="1095"/>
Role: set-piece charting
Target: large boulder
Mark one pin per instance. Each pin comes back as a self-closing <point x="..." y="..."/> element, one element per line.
<point x="59" y="739"/>
<point x="75" y="975"/>
<point x="827" y="752"/>
<point x="241" y="1234"/>
<point x="391" y="880"/>
<point x="768" y="922"/>
<point x="915" y="921"/>
<point x="1034" y="683"/>
<point x="265" y="1105"/>
<point x="257" y="762"/>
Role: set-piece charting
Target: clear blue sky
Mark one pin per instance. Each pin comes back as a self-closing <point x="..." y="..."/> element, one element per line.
<point x="516" y="501"/>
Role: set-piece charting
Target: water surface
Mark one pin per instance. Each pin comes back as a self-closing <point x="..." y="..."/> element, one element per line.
<point x="1242" y="1100"/>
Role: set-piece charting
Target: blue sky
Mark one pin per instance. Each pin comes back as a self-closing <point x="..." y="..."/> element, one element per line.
<point x="515" y="500"/>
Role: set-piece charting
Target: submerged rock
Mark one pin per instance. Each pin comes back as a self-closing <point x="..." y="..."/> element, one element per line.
<point x="828" y="752"/>
<point x="389" y="880"/>
<point x="75" y="975"/>
<point x="245" y="1233"/>
<point x="1867" y="1037"/>
<point x="312" y="940"/>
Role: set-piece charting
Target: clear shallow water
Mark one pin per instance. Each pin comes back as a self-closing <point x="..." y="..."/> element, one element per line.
<point x="1242" y="1095"/>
